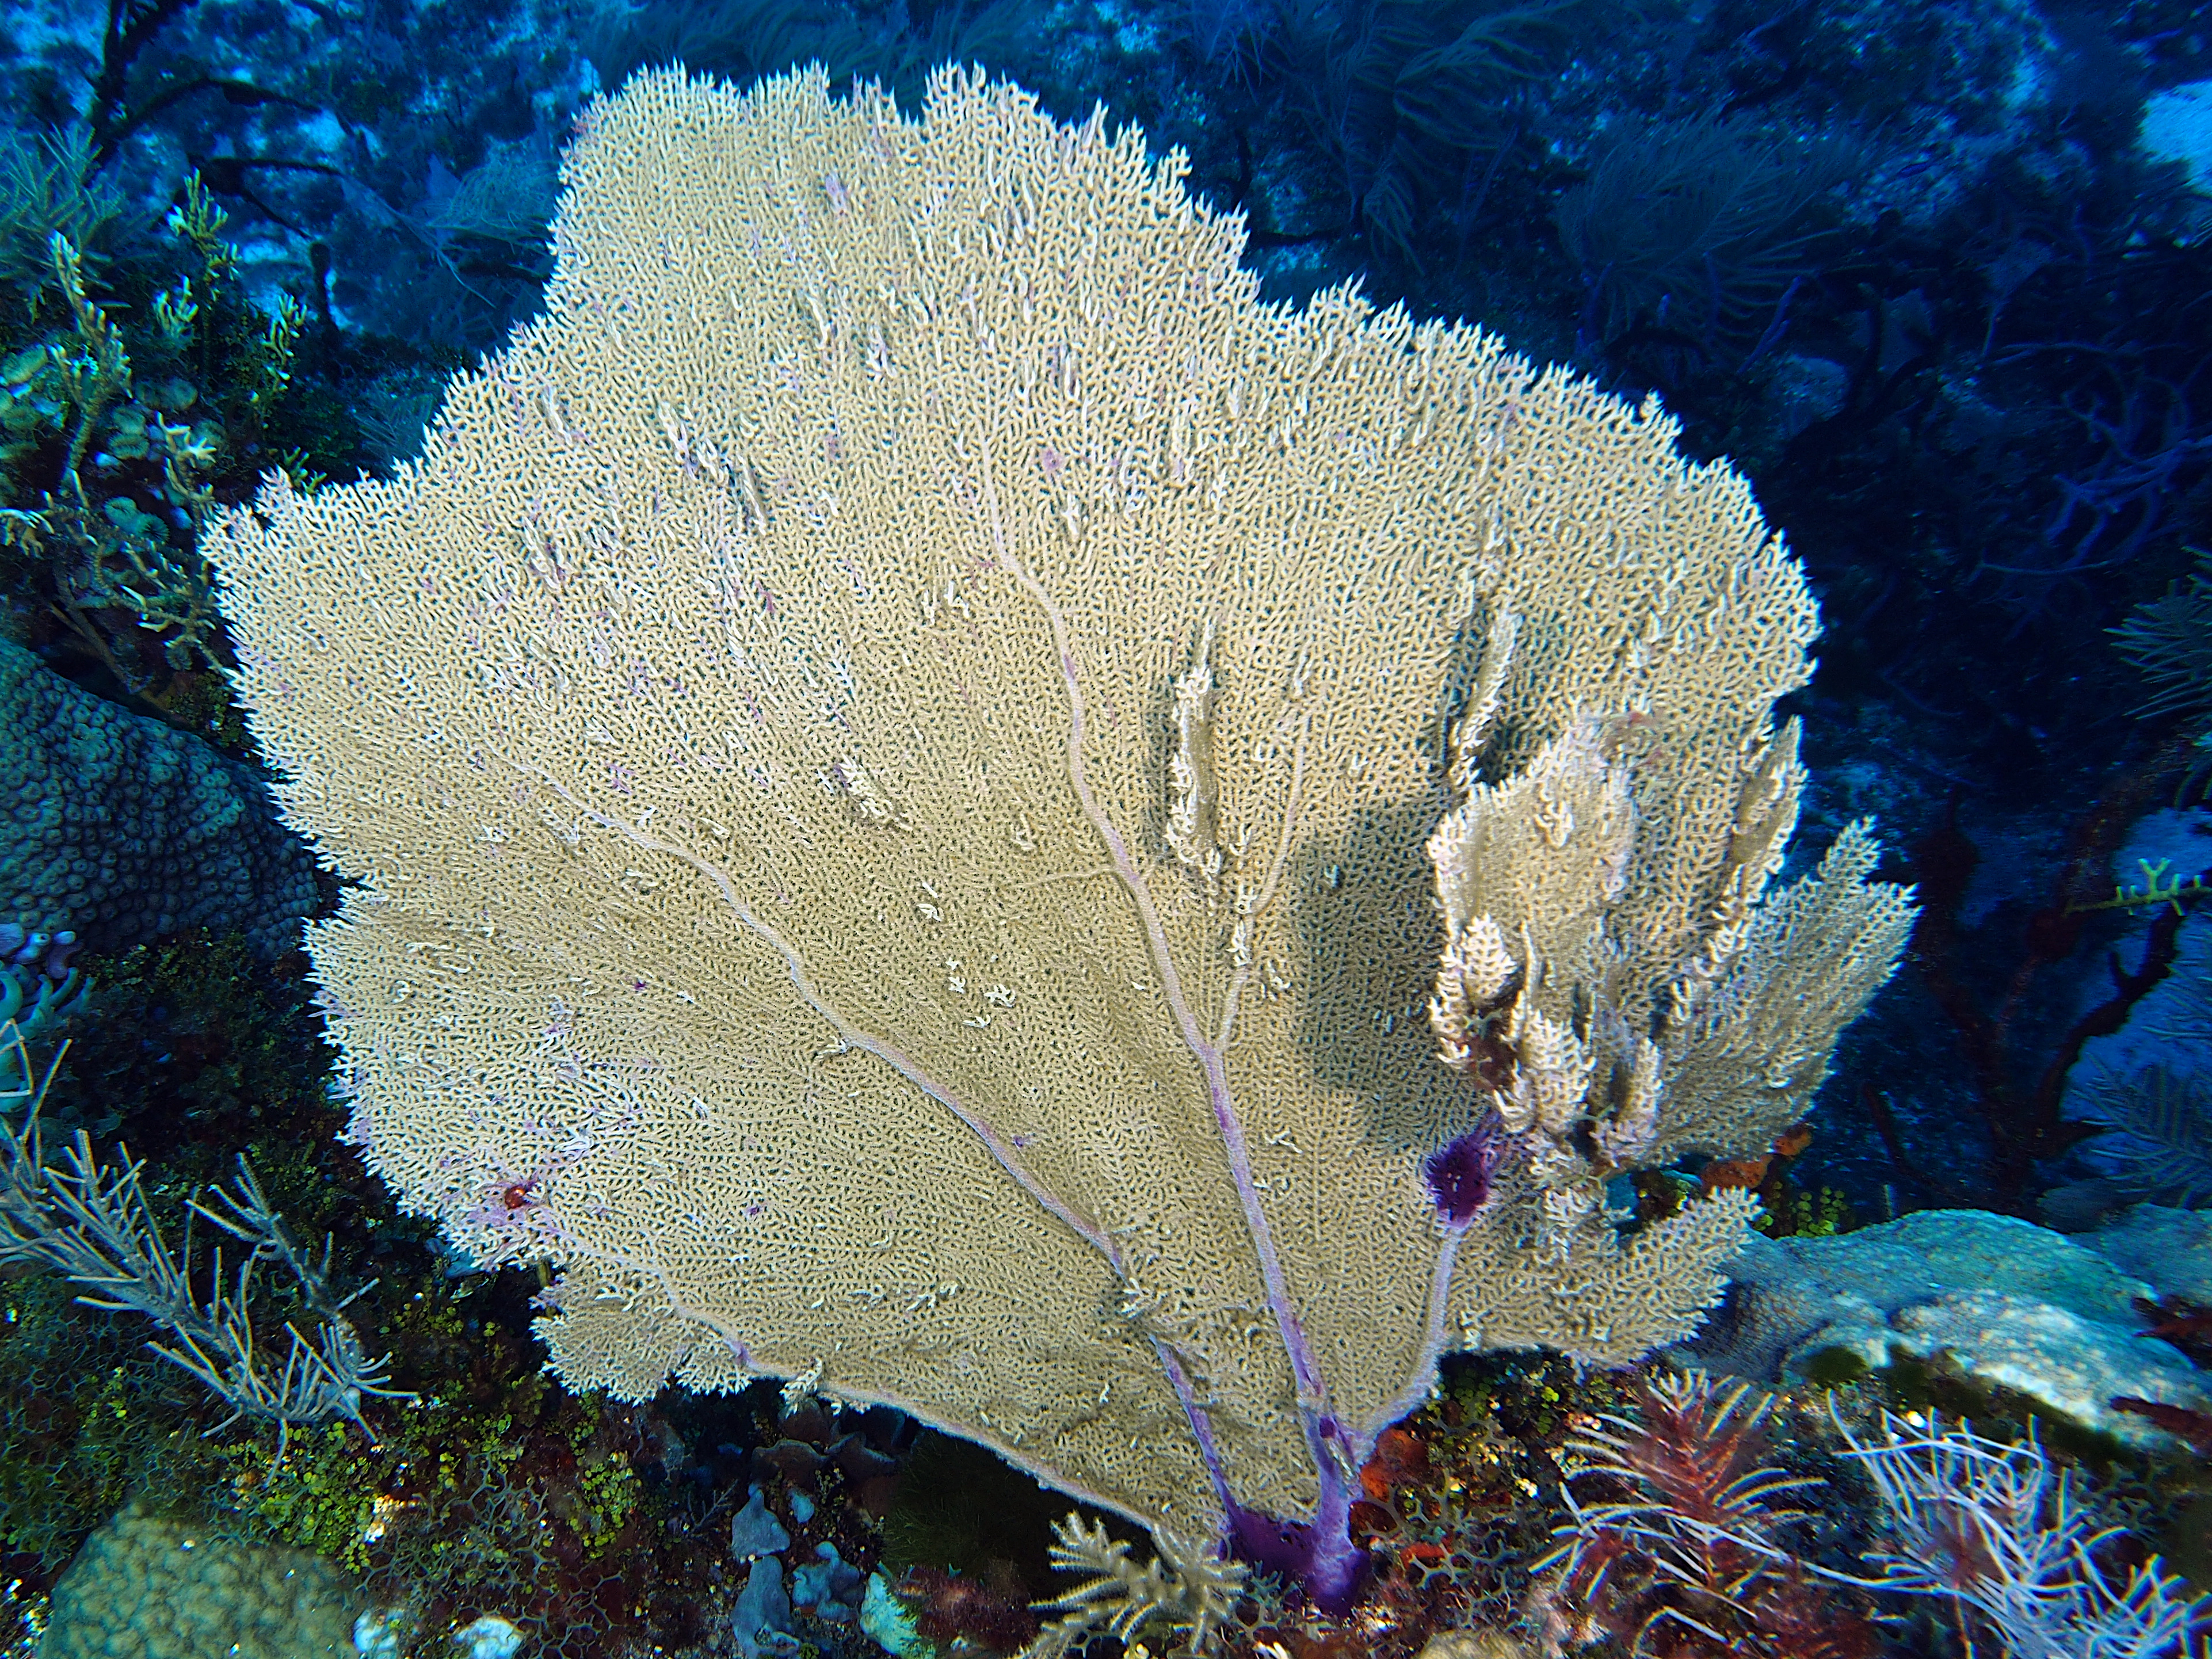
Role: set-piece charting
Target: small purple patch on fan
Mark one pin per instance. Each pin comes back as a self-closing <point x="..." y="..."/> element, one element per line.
<point x="1459" y="1173"/>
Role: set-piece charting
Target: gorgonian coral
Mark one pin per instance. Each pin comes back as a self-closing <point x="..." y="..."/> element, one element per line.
<point x="1684" y="1551"/>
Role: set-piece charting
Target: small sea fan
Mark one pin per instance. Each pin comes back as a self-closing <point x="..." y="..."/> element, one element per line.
<point x="2170" y="640"/>
<point x="2163" y="1149"/>
<point x="1685" y="1554"/>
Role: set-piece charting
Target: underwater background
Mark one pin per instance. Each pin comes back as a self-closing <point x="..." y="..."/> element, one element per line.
<point x="1935" y="277"/>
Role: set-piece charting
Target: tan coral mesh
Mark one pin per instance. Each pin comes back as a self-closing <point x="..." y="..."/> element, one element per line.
<point x="906" y="689"/>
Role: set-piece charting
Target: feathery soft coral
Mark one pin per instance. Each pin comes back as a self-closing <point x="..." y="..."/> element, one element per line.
<point x="1683" y="1554"/>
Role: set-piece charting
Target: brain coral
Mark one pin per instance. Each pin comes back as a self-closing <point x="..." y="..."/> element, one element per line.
<point x="123" y="829"/>
<point x="152" y="1589"/>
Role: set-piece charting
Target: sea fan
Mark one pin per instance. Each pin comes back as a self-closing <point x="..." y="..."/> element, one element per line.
<point x="2170" y="640"/>
<point x="2164" y="1146"/>
<point x="1685" y="1554"/>
<point x="1704" y="224"/>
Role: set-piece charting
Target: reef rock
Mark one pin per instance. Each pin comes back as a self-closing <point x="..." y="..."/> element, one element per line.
<point x="2007" y="1302"/>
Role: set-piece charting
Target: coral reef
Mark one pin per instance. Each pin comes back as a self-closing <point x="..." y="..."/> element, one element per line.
<point x="2003" y="1538"/>
<point x="1685" y="1551"/>
<point x="492" y="1496"/>
<point x="90" y="1222"/>
<point x="1965" y="373"/>
<point x="116" y="439"/>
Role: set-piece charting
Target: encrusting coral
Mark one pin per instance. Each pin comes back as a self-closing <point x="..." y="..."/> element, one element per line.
<point x="120" y="828"/>
<point x="147" y="1586"/>
<point x="884" y="755"/>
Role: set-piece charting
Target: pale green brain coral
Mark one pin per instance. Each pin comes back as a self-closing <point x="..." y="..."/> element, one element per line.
<point x="146" y="1588"/>
<point x="122" y="828"/>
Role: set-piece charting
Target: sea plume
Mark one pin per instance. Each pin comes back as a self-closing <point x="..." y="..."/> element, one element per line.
<point x="1684" y="1551"/>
